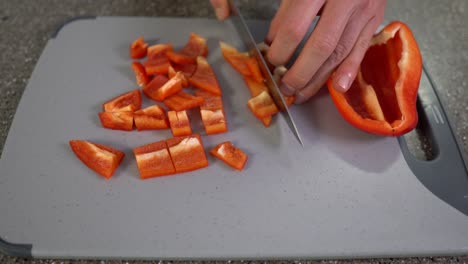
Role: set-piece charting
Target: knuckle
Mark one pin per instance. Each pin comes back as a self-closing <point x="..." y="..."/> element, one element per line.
<point x="339" y="53"/>
<point x="324" y="45"/>
<point x="362" y="44"/>
<point x="293" y="33"/>
<point x="295" y="81"/>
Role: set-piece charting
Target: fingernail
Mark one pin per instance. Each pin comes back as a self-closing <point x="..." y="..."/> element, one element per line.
<point x="344" y="82"/>
<point x="219" y="13"/>
<point x="286" y="90"/>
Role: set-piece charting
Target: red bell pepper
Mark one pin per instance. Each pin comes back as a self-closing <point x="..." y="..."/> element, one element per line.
<point x="230" y="154"/>
<point x="171" y="72"/>
<point x="255" y="71"/>
<point x="382" y="98"/>
<point x="117" y="120"/>
<point x="127" y="102"/>
<point x="183" y="101"/>
<point x="195" y="46"/>
<point x="212" y="113"/>
<point x="180" y="123"/>
<point x="158" y="50"/>
<point x="160" y="87"/>
<point x="204" y="77"/>
<point x="101" y="159"/>
<point x="154" y="160"/>
<point x="262" y="105"/>
<point x="236" y="59"/>
<point x="140" y="74"/>
<point x="187" y="69"/>
<point x="151" y="118"/>
<point x="138" y="48"/>
<point x="187" y="153"/>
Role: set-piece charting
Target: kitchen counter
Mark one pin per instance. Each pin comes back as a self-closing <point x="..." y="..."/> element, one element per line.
<point x="440" y="27"/>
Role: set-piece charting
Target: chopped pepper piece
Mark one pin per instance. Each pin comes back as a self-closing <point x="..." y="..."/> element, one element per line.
<point x="195" y="46"/>
<point x="236" y="59"/>
<point x="183" y="101"/>
<point x="254" y="68"/>
<point x="180" y="123"/>
<point x="160" y="87"/>
<point x="262" y="105"/>
<point x="127" y="102"/>
<point x="158" y="50"/>
<point x="212" y="113"/>
<point x="382" y="98"/>
<point x="187" y="69"/>
<point x="187" y="153"/>
<point x="204" y="77"/>
<point x="140" y="74"/>
<point x="101" y="159"/>
<point x="171" y="72"/>
<point x="151" y="118"/>
<point x="230" y="154"/>
<point x="117" y="120"/>
<point x="154" y="160"/>
<point x="138" y="48"/>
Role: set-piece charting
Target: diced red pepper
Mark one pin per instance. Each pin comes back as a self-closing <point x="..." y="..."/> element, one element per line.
<point x="255" y="87"/>
<point x="289" y="99"/>
<point x="151" y="118"/>
<point x="171" y="72"/>
<point x="154" y="160"/>
<point x="204" y="77"/>
<point x="230" y="154"/>
<point x="158" y="50"/>
<point x="180" y="123"/>
<point x="266" y="121"/>
<point x="127" y="102"/>
<point x="187" y="153"/>
<point x="138" y="48"/>
<point x="195" y="46"/>
<point x="214" y="121"/>
<point x="117" y="120"/>
<point x="140" y="74"/>
<point x="382" y="98"/>
<point x="160" y="87"/>
<point x="183" y="101"/>
<point x="157" y="65"/>
<point x="262" y="105"/>
<point x="255" y="71"/>
<point x="101" y="159"/>
<point x="187" y="69"/>
<point x="237" y="59"/>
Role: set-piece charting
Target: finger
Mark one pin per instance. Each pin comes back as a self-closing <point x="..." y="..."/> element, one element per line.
<point x="318" y="47"/>
<point x="347" y="71"/>
<point x="276" y="21"/>
<point x="221" y="8"/>
<point x="292" y="30"/>
<point x="348" y="40"/>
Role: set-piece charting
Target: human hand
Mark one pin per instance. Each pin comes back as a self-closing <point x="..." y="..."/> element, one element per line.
<point x="337" y="44"/>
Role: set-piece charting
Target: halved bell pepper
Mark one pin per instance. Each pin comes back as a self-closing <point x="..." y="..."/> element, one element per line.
<point x="183" y="101"/>
<point x="187" y="153"/>
<point x="140" y="74"/>
<point x="154" y="160"/>
<point x="138" y="48"/>
<point x="151" y="118"/>
<point x="230" y="154"/>
<point x="180" y="123"/>
<point x="117" y="120"/>
<point x="127" y="102"/>
<point x="101" y="159"/>
<point x="160" y="87"/>
<point x="204" y="77"/>
<point x="382" y="98"/>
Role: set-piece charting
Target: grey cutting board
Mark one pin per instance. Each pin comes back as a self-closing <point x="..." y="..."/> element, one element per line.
<point x="345" y="194"/>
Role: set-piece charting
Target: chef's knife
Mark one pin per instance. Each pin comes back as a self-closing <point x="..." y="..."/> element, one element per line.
<point x="251" y="45"/>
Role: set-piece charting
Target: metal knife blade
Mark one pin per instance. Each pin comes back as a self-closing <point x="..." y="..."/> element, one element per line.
<point x="251" y="45"/>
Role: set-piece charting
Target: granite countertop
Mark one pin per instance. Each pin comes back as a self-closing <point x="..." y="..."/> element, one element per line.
<point x="440" y="27"/>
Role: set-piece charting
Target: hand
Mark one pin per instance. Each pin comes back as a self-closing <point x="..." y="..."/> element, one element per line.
<point x="221" y="8"/>
<point x="338" y="43"/>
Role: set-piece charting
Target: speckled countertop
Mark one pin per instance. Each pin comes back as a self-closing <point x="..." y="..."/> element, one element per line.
<point x="441" y="28"/>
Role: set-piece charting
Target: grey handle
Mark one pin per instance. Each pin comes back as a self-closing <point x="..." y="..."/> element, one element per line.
<point x="447" y="174"/>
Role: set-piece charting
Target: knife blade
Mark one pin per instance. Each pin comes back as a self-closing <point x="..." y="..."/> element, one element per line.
<point x="251" y="45"/>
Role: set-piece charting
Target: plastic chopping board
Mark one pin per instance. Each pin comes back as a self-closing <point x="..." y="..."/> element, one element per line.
<point x="344" y="194"/>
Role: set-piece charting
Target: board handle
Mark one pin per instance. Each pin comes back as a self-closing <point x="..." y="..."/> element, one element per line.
<point x="446" y="175"/>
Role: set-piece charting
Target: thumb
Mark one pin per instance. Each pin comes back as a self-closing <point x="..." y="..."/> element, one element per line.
<point x="221" y="8"/>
